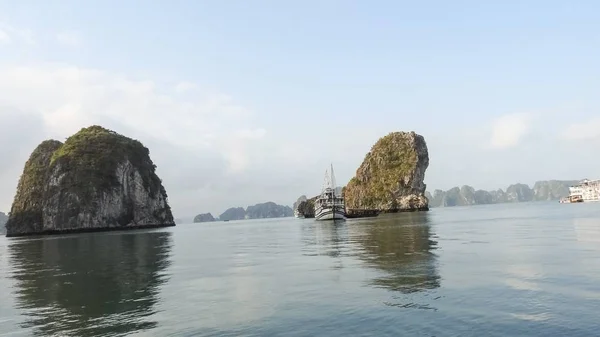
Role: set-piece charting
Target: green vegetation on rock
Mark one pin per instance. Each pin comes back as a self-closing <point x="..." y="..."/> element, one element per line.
<point x="95" y="152"/>
<point x="391" y="176"/>
<point x="306" y="208"/>
<point x="32" y="189"/>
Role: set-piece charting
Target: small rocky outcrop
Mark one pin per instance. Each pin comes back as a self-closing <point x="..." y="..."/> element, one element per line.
<point x="204" y="217"/>
<point x="390" y="179"/>
<point x="97" y="180"/>
<point x="298" y="201"/>
<point x="307" y="208"/>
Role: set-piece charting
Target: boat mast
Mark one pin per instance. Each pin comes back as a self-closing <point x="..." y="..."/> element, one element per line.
<point x="325" y="182"/>
<point x="333" y="193"/>
<point x="333" y="185"/>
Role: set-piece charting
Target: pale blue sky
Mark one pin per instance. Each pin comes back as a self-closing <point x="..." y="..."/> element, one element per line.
<point x="340" y="73"/>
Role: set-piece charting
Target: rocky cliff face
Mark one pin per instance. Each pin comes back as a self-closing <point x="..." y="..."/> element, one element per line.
<point x="96" y="180"/>
<point x="204" y="217"/>
<point x="466" y="195"/>
<point x="519" y="193"/>
<point x="390" y="179"/>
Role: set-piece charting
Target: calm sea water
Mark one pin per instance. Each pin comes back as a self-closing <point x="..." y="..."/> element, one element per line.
<point x="501" y="270"/>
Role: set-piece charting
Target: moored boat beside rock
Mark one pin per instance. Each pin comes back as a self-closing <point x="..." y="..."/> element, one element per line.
<point x="390" y="179"/>
<point x="329" y="205"/>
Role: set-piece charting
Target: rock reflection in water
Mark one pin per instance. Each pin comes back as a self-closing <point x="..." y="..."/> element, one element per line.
<point x="90" y="285"/>
<point x="401" y="246"/>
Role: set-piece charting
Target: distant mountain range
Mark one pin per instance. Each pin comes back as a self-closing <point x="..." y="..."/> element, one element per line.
<point x="467" y="195"/>
<point x="3" y="219"/>
<point x="258" y="211"/>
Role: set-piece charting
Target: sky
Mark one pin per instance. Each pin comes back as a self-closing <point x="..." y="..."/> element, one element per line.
<point x="242" y="102"/>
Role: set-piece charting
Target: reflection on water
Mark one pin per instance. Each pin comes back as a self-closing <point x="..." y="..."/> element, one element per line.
<point x="402" y="248"/>
<point x="89" y="285"/>
<point x="399" y="246"/>
<point x="587" y="229"/>
<point x="327" y="237"/>
<point x="533" y="273"/>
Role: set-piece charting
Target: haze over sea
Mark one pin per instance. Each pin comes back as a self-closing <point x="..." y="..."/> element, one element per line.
<point x="530" y="269"/>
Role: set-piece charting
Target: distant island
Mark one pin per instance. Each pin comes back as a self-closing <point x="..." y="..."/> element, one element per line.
<point x="3" y="219"/>
<point x="204" y="217"/>
<point x="97" y="180"/>
<point x="259" y="211"/>
<point x="467" y="195"/>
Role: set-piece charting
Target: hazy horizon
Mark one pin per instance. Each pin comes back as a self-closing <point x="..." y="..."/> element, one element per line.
<point x="242" y="103"/>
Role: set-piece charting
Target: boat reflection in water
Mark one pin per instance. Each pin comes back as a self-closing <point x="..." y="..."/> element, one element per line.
<point x="89" y="284"/>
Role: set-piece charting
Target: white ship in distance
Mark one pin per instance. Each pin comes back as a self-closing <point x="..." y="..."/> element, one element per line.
<point x="330" y="204"/>
<point x="586" y="191"/>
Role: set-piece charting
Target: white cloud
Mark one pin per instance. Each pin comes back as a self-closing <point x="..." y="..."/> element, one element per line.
<point x="197" y="141"/>
<point x="583" y="131"/>
<point x="508" y="130"/>
<point x="69" y="38"/>
<point x="9" y="33"/>
<point x="4" y="37"/>
<point x="70" y="97"/>
<point x="185" y="86"/>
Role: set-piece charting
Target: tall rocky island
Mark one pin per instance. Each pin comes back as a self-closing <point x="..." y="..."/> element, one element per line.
<point x="390" y="179"/>
<point x="97" y="180"/>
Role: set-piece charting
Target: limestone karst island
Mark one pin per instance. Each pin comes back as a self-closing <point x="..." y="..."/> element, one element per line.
<point x="96" y="180"/>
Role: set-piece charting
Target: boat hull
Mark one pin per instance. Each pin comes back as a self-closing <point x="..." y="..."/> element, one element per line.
<point x="327" y="213"/>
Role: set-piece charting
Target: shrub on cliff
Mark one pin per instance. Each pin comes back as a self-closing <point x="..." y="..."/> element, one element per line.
<point x="95" y="152"/>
